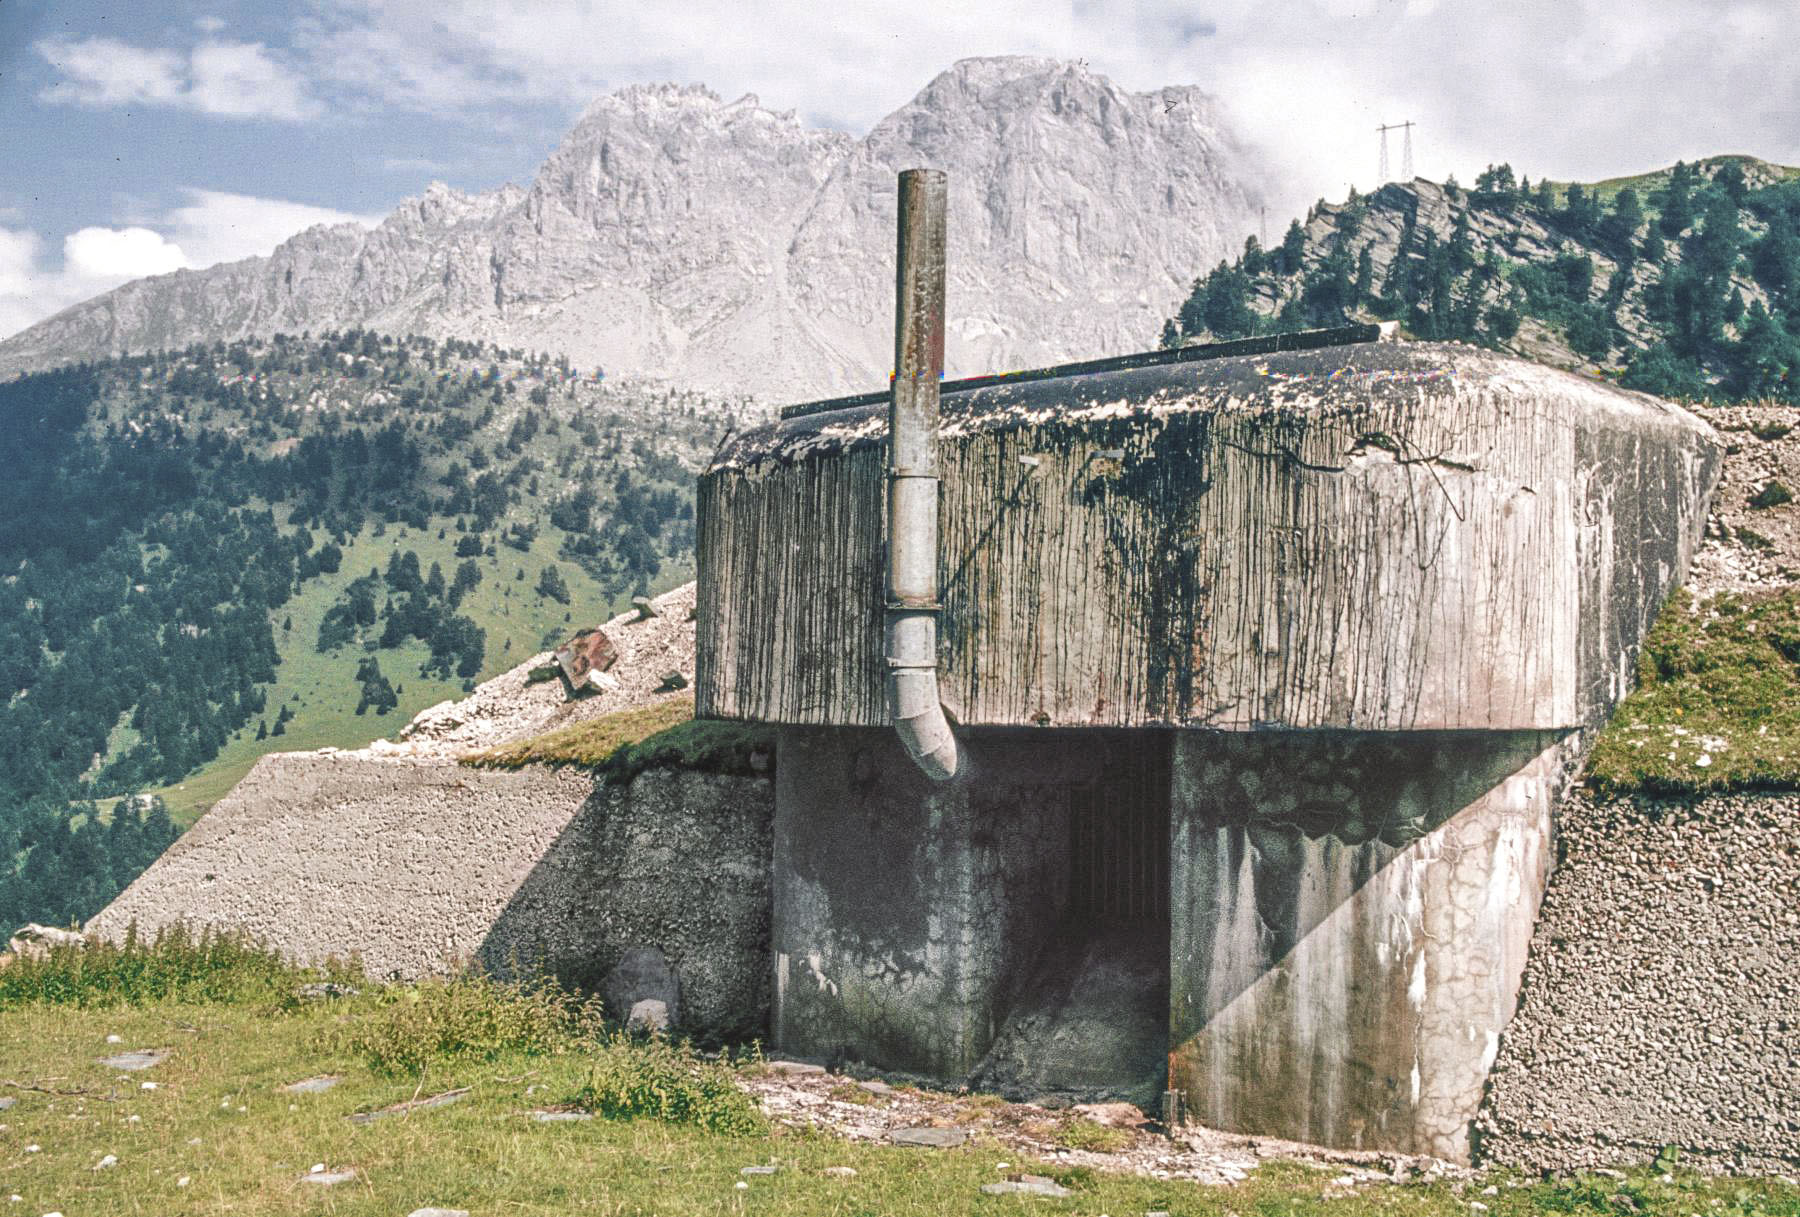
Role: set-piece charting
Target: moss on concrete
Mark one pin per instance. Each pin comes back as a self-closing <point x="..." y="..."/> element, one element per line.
<point x="1717" y="706"/>
<point x="624" y="744"/>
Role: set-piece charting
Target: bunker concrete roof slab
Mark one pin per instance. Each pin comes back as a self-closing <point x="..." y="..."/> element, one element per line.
<point x="1374" y="536"/>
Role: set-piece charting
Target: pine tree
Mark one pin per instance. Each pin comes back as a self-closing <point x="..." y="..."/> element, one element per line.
<point x="1254" y="259"/>
<point x="1580" y="214"/>
<point x="1677" y="204"/>
<point x="550" y="585"/>
<point x="1293" y="249"/>
<point x="1495" y="189"/>
<point x="1618" y="231"/>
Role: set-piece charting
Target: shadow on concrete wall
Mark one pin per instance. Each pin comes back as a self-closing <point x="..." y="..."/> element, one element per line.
<point x="674" y="859"/>
<point x="1349" y="919"/>
<point x="1288" y="825"/>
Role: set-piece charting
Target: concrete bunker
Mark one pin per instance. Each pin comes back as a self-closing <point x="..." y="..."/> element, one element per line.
<point x="1266" y="664"/>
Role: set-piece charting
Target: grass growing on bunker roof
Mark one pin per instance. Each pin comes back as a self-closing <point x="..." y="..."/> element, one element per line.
<point x="623" y="744"/>
<point x="1717" y="706"/>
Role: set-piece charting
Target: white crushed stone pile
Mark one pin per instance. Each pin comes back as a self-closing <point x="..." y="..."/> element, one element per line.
<point x="1751" y="549"/>
<point x="512" y="706"/>
<point x="1661" y="1005"/>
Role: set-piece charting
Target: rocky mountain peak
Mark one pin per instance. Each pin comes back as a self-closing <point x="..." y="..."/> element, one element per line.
<point x="725" y="245"/>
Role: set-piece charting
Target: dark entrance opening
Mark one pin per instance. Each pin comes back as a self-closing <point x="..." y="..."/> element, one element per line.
<point x="1090" y="1017"/>
<point x="1119" y="842"/>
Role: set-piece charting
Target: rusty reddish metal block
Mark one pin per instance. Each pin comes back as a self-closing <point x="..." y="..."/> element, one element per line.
<point x="586" y="654"/>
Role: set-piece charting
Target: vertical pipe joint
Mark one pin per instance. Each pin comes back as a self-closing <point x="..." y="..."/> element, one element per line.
<point x="910" y="628"/>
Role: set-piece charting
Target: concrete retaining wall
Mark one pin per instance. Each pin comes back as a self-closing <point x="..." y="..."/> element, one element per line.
<point x="407" y="864"/>
<point x="418" y="866"/>
<point x="1661" y="1004"/>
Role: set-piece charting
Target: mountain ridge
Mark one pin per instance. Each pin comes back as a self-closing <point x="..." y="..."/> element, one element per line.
<point x="723" y="245"/>
<point x="1690" y="290"/>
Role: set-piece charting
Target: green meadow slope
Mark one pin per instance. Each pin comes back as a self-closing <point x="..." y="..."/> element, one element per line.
<point x="212" y="554"/>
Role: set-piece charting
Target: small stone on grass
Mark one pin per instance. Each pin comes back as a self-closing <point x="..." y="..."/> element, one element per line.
<point x="131" y="1062"/>
<point x="1027" y="1185"/>
<point x="410" y="1105"/>
<point x="318" y="1085"/>
<point x="932" y="1138"/>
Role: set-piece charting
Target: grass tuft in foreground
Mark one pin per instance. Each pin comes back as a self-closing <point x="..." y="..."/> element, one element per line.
<point x="1717" y="706"/>
<point x="175" y="966"/>
<point x="468" y="1018"/>
<point x="623" y="744"/>
<point x="633" y="1078"/>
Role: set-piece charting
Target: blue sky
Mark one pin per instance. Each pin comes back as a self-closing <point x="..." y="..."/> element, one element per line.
<point x="137" y="138"/>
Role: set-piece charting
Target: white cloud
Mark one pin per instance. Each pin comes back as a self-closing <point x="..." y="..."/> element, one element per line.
<point x="226" y="79"/>
<point x="1572" y="88"/>
<point x="107" y="72"/>
<point x="415" y="164"/>
<point x="19" y="305"/>
<point x="119" y="254"/>
<point x="240" y="79"/>
<point x="94" y="259"/>
<point x="18" y="254"/>
<point x="212" y="226"/>
<point x="217" y="226"/>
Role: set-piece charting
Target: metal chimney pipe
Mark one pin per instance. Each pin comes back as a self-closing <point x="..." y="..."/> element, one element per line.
<point x="912" y="590"/>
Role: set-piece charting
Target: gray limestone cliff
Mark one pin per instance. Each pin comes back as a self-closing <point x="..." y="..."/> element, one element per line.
<point x="721" y="244"/>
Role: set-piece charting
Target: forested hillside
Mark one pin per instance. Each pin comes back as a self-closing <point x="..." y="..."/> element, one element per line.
<point x="1684" y="282"/>
<point x="214" y="553"/>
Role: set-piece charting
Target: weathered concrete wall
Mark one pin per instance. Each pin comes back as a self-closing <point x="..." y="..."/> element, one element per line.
<point x="910" y="916"/>
<point x="1350" y="916"/>
<point x="1389" y="536"/>
<point x="676" y="860"/>
<point x="1661" y="1005"/>
<point x="419" y="866"/>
